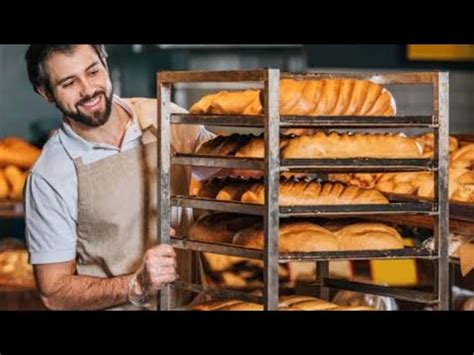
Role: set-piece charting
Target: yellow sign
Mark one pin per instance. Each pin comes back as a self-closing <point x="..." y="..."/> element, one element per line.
<point x="440" y="52"/>
<point x="395" y="272"/>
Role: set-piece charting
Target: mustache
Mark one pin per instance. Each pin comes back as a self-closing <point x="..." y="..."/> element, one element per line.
<point x="90" y="97"/>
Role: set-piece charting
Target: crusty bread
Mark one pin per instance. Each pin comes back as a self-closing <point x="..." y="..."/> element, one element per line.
<point x="220" y="227"/>
<point x="353" y="308"/>
<point x="287" y="301"/>
<point x="298" y="192"/>
<point x="215" y="305"/>
<point x="211" y="188"/>
<point x="314" y="305"/>
<point x="225" y="145"/>
<point x="369" y="236"/>
<point x="427" y="140"/>
<point x="294" y="237"/>
<point x="243" y="306"/>
<point x="306" y="97"/>
<point x="255" y="148"/>
<point x="336" y="145"/>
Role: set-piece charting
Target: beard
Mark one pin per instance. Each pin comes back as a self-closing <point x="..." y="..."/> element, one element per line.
<point x="94" y="119"/>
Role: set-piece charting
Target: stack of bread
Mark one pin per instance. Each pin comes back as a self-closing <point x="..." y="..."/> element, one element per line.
<point x="296" y="235"/>
<point x="286" y="303"/>
<point x="16" y="157"/>
<point x="293" y="192"/>
<point x="421" y="184"/>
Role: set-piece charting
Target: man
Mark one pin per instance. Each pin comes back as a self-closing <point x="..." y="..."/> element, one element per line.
<point x="90" y="221"/>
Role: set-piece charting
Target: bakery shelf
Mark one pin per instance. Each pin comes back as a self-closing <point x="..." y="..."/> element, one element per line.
<point x="304" y="211"/>
<point x="257" y="121"/>
<point x="235" y="250"/>
<point x="313" y="165"/>
<point x="458" y="210"/>
<point x="272" y="123"/>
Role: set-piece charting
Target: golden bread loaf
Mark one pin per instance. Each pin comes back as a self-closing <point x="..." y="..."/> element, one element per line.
<point x="294" y="237"/>
<point x="326" y="97"/>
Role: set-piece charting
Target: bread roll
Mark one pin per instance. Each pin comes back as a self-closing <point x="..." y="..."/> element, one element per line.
<point x="325" y="97"/>
<point x="294" y="237"/>
<point x="369" y="236"/>
<point x="427" y="140"/>
<point x="297" y="192"/>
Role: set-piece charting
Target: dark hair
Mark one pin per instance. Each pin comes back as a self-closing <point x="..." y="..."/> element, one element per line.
<point x="37" y="54"/>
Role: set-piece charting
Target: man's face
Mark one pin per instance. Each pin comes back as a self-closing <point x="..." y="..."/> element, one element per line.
<point x="80" y="85"/>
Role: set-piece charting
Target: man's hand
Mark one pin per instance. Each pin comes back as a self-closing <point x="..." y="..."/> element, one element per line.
<point x="158" y="269"/>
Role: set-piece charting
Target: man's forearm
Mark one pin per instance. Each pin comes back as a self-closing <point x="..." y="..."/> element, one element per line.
<point x="87" y="293"/>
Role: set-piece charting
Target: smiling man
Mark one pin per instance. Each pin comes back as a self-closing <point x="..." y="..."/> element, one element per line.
<point x="90" y="224"/>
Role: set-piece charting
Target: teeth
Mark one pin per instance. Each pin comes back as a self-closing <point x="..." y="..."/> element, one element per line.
<point x="92" y="102"/>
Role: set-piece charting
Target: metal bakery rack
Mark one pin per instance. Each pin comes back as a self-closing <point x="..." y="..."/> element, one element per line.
<point x="272" y="122"/>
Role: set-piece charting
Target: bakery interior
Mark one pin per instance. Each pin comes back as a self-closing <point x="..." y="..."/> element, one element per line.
<point x="366" y="267"/>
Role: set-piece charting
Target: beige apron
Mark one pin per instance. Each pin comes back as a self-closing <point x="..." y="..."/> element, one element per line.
<point x="117" y="213"/>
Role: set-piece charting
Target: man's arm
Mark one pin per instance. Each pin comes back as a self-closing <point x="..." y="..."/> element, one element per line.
<point x="60" y="289"/>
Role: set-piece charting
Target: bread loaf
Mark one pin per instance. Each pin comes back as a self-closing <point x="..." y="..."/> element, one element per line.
<point x="369" y="236"/>
<point x="225" y="145"/>
<point x="297" y="192"/>
<point x="325" y="97"/>
<point x="220" y="227"/>
<point x="215" y="305"/>
<point x="255" y="148"/>
<point x="294" y="237"/>
<point x="335" y="145"/>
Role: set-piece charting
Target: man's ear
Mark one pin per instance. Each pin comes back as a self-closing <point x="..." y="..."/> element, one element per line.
<point x="45" y="94"/>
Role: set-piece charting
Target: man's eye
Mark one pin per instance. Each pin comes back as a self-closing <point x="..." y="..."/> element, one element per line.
<point x="94" y="72"/>
<point x="68" y="84"/>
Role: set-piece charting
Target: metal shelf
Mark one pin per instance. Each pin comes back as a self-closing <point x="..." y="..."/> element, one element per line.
<point x="217" y="292"/>
<point x="318" y="165"/>
<point x="272" y="123"/>
<point x="257" y="121"/>
<point x="398" y="293"/>
<point x="235" y="250"/>
<point x="304" y="211"/>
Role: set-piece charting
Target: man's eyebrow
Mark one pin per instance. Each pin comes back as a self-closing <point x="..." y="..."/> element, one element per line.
<point x="72" y="76"/>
